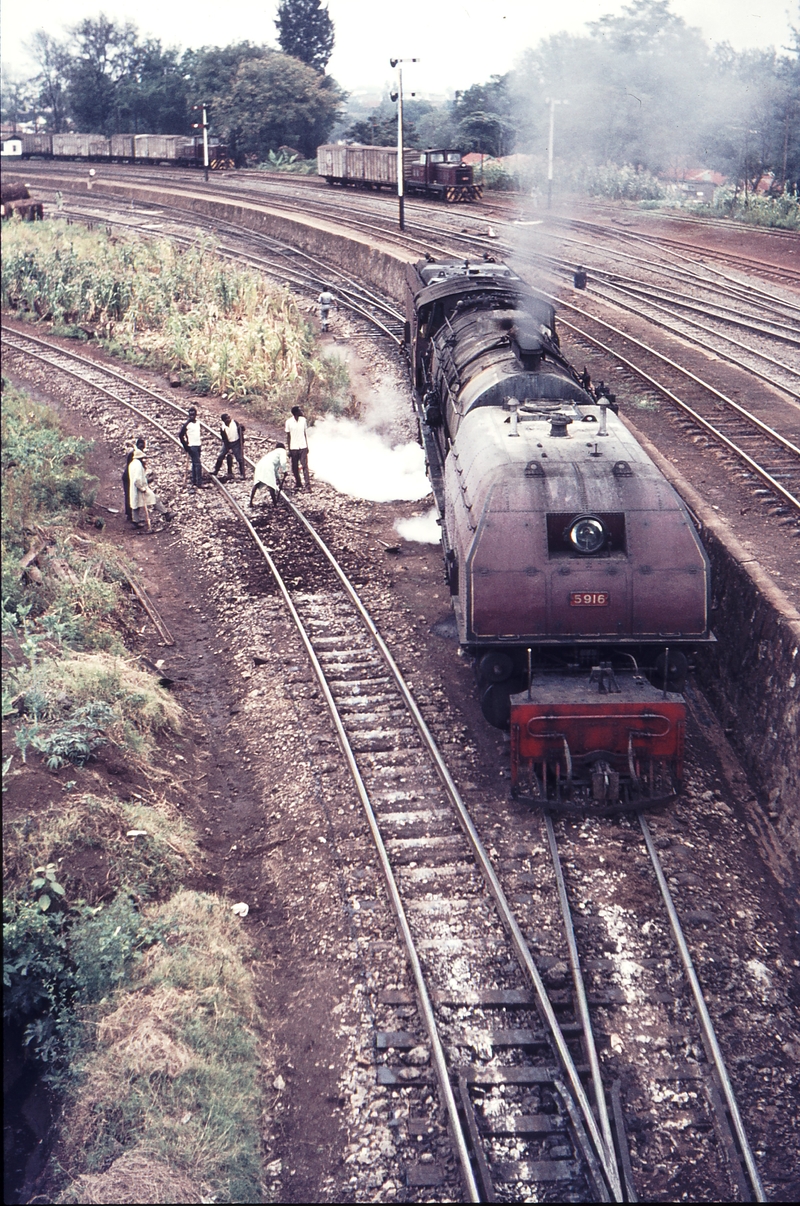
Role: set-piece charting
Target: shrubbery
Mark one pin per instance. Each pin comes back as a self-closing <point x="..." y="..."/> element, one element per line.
<point x="184" y="309"/>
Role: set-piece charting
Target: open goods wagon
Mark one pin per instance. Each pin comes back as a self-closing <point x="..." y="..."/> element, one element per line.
<point x="431" y="173"/>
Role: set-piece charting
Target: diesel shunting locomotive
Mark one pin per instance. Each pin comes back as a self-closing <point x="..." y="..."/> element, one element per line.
<point x="433" y="173"/>
<point x="578" y="580"/>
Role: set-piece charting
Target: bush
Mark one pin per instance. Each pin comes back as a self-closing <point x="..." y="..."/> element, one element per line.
<point x="81" y="700"/>
<point x="223" y="329"/>
<point x="782" y="212"/>
<point x="174" y="1078"/>
<point x="44" y="470"/>
<point x="624" y="183"/>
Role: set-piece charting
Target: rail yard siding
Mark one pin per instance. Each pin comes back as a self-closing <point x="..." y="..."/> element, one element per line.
<point x="754" y="683"/>
<point x="381" y="265"/>
<point x="752" y="676"/>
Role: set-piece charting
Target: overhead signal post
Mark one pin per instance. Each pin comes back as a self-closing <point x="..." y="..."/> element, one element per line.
<point x="203" y="125"/>
<point x="398" y="96"/>
<point x="552" y="103"/>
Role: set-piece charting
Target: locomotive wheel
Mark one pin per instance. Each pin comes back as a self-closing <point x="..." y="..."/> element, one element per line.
<point x="496" y="705"/>
<point x="495" y="667"/>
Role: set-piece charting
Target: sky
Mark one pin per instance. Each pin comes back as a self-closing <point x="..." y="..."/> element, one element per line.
<point x="457" y="42"/>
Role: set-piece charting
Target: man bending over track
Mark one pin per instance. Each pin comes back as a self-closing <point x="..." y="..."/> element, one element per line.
<point x="270" y="471"/>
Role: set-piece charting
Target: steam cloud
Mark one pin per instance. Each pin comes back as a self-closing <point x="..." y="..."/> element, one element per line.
<point x="362" y="462"/>
<point x="420" y="528"/>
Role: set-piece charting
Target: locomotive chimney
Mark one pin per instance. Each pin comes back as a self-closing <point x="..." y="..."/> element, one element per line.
<point x="558" y="426"/>
<point x="603" y="428"/>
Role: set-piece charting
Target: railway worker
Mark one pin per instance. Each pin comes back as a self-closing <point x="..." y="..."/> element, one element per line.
<point x="189" y="435"/>
<point x="270" y="471"/>
<point x="325" y="300"/>
<point x="142" y="498"/>
<point x="126" y="475"/>
<point x="296" y="429"/>
<point x="232" y="436"/>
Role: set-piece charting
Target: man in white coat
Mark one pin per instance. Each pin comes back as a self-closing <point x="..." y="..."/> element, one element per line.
<point x="142" y="498"/>
<point x="270" y="471"/>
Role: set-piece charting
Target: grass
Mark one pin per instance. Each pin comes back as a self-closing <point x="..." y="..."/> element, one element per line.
<point x="44" y="470"/>
<point x="174" y="1076"/>
<point x="134" y="996"/>
<point x="223" y="329"/>
<point x="81" y="694"/>
<point x="90" y="841"/>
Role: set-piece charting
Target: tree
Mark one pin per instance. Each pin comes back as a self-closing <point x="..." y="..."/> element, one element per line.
<point x="16" y="99"/>
<point x="275" y="100"/>
<point x="484" y="117"/>
<point x="52" y="58"/>
<point x="306" y="32"/>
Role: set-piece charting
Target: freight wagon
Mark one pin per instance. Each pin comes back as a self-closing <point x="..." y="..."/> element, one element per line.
<point x="431" y="173"/>
<point x="180" y="149"/>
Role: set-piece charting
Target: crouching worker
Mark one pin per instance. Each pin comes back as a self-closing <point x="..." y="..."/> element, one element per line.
<point x="270" y="471"/>
<point x="142" y="498"/>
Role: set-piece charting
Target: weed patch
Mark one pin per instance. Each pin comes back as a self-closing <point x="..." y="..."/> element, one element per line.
<point x="174" y="1077"/>
<point x="223" y="329"/>
<point x="72" y="704"/>
<point x="101" y="847"/>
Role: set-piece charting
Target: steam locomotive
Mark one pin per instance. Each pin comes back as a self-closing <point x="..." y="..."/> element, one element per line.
<point x="578" y="580"/>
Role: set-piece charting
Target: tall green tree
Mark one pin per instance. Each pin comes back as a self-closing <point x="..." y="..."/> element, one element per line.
<point x="306" y="32"/>
<point x="52" y="59"/>
<point x="275" y="100"/>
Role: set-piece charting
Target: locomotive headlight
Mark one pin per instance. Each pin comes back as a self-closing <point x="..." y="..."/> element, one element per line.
<point x="587" y="534"/>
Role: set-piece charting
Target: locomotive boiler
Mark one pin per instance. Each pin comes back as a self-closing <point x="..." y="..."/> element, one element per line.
<point x="578" y="580"/>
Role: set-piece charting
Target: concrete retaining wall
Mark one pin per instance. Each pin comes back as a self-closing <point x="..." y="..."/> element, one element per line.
<point x="752" y="676"/>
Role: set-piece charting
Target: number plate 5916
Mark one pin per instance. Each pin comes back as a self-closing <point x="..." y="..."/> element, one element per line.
<point x="589" y="598"/>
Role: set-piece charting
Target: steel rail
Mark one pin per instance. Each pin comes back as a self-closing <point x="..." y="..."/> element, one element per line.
<point x="678" y="250"/>
<point x="687" y="336"/>
<point x="425" y="1003"/>
<point x="579" y="986"/>
<point x="684" y="406"/>
<point x="784" y="334"/>
<point x="607" y="1159"/>
<point x="612" y="277"/>
<point x="666" y="326"/>
<point x="711" y="389"/>
<point x="685" y="270"/>
<point x="709" y="1035"/>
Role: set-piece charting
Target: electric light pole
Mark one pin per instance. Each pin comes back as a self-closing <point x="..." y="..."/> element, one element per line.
<point x="552" y="103"/>
<point x="398" y="96"/>
<point x="204" y="127"/>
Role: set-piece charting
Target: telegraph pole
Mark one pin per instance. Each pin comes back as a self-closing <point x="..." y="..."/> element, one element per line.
<point x="204" y="127"/>
<point x="552" y="103"/>
<point x="398" y="96"/>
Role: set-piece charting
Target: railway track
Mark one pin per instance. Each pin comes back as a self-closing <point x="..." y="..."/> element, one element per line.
<point x="514" y="1063"/>
<point x="771" y="458"/>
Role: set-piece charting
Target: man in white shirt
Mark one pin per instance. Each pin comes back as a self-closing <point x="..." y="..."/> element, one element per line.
<point x="231" y="434"/>
<point x="190" y="436"/>
<point x="297" y="432"/>
<point x="270" y="471"/>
